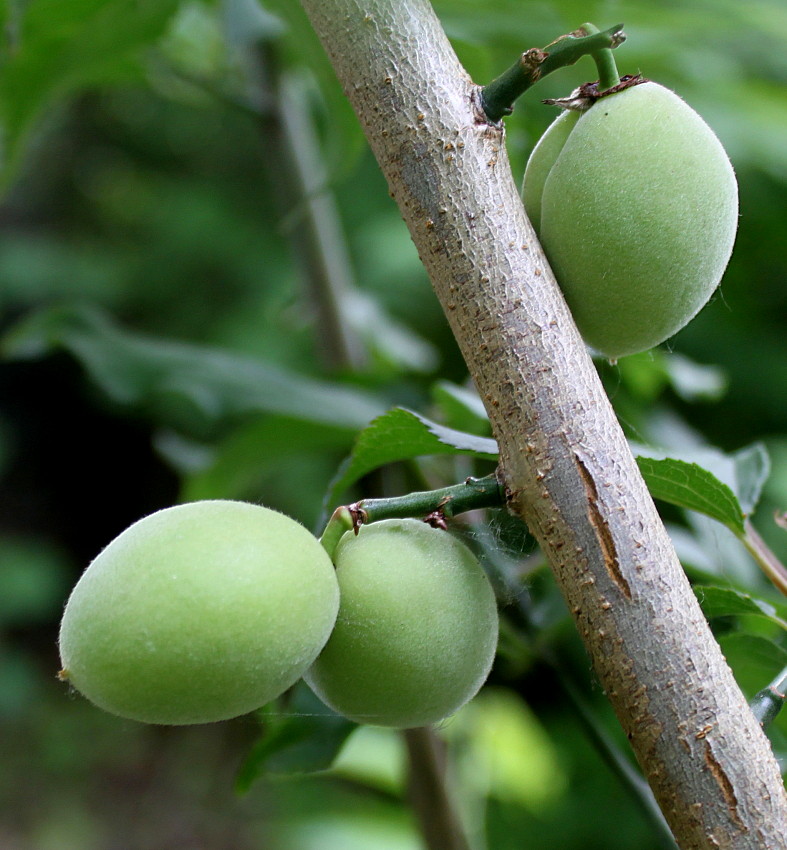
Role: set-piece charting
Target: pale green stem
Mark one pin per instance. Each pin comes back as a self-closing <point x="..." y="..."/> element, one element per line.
<point x="341" y="521"/>
<point x="768" y="702"/>
<point x="608" y="76"/>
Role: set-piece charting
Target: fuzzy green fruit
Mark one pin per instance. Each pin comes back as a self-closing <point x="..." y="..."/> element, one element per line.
<point x="417" y="627"/>
<point x="636" y="205"/>
<point x="198" y="613"/>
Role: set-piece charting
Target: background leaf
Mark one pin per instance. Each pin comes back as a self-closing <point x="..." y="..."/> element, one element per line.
<point x="193" y="388"/>
<point x="688" y="485"/>
<point x="755" y="659"/>
<point x="59" y="46"/>
<point x="727" y="602"/>
<point x="752" y="468"/>
<point x="461" y="408"/>
<point x="299" y="736"/>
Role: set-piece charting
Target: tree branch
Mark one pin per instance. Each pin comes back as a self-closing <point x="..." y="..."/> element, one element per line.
<point x="564" y="460"/>
<point x="427" y="791"/>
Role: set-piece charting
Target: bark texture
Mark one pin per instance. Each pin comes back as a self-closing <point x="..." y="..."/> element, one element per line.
<point x="564" y="459"/>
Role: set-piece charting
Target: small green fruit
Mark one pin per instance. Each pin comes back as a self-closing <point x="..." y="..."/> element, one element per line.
<point x="417" y="627"/>
<point x="636" y="205"/>
<point x="541" y="161"/>
<point x="198" y="613"/>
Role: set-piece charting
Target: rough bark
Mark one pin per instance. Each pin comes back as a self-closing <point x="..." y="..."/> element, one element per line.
<point x="564" y="459"/>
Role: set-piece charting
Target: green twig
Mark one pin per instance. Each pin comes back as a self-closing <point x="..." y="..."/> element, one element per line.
<point x="471" y="494"/>
<point x="432" y="505"/>
<point x="768" y="702"/>
<point x="498" y="96"/>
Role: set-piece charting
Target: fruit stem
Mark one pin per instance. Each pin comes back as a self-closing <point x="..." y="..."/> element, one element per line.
<point x="341" y="520"/>
<point x="497" y="98"/>
<point x="608" y="76"/>
<point x="768" y="702"/>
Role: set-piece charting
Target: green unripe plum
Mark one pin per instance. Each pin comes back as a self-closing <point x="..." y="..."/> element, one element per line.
<point x="198" y="613"/>
<point x="636" y="205"/>
<point x="417" y="627"/>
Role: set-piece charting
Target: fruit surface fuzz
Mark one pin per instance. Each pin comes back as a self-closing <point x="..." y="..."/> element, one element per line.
<point x="417" y="627"/>
<point x="636" y="205"/>
<point x="198" y="613"/>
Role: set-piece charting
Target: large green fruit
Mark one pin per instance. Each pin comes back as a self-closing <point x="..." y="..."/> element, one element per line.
<point x="197" y="613"/>
<point x="417" y="627"/>
<point x="636" y="206"/>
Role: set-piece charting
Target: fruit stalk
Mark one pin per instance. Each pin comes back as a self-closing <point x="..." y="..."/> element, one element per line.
<point x="565" y="463"/>
<point x="767" y="703"/>
<point x="608" y="76"/>
<point x="341" y="520"/>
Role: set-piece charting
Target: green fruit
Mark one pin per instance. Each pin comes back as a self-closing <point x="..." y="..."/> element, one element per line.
<point x="541" y="161"/>
<point x="636" y="205"/>
<point x="417" y="627"/>
<point x="198" y="613"/>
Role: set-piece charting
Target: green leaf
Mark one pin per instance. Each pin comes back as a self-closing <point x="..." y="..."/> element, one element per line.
<point x="59" y="46"/>
<point x="752" y="468"/>
<point x="191" y="388"/>
<point x="306" y="738"/>
<point x="33" y="581"/>
<point x="727" y="602"/>
<point x="725" y="487"/>
<point x="401" y="434"/>
<point x="688" y="485"/>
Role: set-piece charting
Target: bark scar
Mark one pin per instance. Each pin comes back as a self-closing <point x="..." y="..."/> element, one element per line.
<point x="723" y="781"/>
<point x="601" y="527"/>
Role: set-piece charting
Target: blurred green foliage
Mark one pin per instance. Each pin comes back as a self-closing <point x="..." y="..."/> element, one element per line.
<point x="170" y="332"/>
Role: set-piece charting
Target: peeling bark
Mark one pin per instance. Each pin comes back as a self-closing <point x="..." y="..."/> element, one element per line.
<point x="564" y="459"/>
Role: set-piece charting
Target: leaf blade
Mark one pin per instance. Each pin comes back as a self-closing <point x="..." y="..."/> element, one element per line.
<point x="688" y="485"/>
<point x="402" y="434"/>
<point x="305" y="740"/>
<point x="192" y="388"/>
<point x="717" y="601"/>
